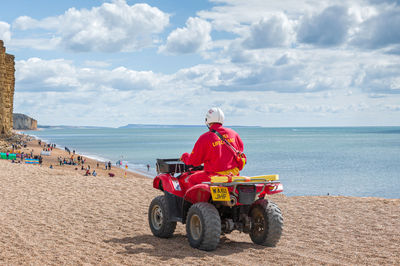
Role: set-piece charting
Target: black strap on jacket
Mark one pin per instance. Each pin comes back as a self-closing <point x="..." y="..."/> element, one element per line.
<point x="226" y="142"/>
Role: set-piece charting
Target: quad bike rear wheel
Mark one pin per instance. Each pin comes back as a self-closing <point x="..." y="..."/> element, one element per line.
<point x="158" y="218"/>
<point x="266" y="223"/>
<point x="203" y="226"/>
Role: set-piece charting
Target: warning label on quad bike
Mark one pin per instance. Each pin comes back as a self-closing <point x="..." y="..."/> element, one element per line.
<point x="220" y="193"/>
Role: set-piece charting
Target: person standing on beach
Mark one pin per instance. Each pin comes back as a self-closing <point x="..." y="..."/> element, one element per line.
<point x="109" y="165"/>
<point x="216" y="155"/>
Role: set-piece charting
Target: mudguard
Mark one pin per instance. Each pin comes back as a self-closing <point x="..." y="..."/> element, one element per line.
<point x="270" y="189"/>
<point x="175" y="207"/>
<point x="168" y="183"/>
<point x="198" y="193"/>
<point x="274" y="188"/>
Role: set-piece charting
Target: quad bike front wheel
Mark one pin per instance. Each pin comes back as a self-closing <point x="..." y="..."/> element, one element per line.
<point x="266" y="223"/>
<point x="203" y="226"/>
<point x="158" y="218"/>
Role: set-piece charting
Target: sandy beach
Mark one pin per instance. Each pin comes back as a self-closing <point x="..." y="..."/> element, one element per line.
<point x="60" y="152"/>
<point x="59" y="216"/>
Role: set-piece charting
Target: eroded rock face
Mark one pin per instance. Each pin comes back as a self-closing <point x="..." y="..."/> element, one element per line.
<point x="24" y="122"/>
<point x="7" y="82"/>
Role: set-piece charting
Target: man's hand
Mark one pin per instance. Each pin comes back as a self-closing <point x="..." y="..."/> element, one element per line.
<point x="184" y="158"/>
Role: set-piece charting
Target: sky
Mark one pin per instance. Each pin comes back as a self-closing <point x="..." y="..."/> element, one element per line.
<point x="287" y="63"/>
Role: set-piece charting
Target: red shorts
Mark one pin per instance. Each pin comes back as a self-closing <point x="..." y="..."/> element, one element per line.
<point x="198" y="177"/>
<point x="203" y="176"/>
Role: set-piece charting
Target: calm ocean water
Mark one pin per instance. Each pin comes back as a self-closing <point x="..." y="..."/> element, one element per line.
<point x="362" y="161"/>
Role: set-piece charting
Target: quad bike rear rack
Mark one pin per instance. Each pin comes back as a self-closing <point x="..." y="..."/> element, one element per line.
<point x="244" y="180"/>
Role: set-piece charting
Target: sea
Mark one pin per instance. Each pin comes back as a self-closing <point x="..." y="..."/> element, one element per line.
<point x="337" y="161"/>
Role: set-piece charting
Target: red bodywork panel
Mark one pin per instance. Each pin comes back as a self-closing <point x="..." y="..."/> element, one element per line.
<point x="270" y="189"/>
<point x="198" y="193"/>
<point x="173" y="185"/>
<point x="170" y="184"/>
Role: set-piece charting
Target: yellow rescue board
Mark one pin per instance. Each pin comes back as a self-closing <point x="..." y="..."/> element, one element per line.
<point x="228" y="179"/>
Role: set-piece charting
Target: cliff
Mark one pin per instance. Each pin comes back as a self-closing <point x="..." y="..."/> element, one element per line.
<point x="24" y="122"/>
<point x="7" y="82"/>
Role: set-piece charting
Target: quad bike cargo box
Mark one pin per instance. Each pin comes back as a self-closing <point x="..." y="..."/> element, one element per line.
<point x="166" y="166"/>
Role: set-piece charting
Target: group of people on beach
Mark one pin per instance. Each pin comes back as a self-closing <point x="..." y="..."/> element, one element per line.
<point x="87" y="173"/>
<point x="16" y="146"/>
<point x="64" y="161"/>
<point x="73" y="159"/>
<point x="80" y="160"/>
<point x="20" y="156"/>
<point x="47" y="147"/>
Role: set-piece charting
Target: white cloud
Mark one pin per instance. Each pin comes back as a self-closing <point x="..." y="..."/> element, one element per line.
<point x="234" y="52"/>
<point x="397" y="2"/>
<point x="303" y="108"/>
<point x="112" y="27"/>
<point x="296" y="71"/>
<point x="5" y="34"/>
<point x="392" y="107"/>
<point x="262" y="70"/>
<point x="36" y="74"/>
<point x="191" y="39"/>
<point x="91" y="96"/>
<point x="235" y="15"/>
<point x="368" y="24"/>
<point x="379" y="31"/>
<point x="379" y="79"/>
<point x="285" y="59"/>
<point x="328" y="28"/>
<point x="270" y="32"/>
<point x="122" y="78"/>
<point x="25" y="23"/>
<point x="36" y="43"/>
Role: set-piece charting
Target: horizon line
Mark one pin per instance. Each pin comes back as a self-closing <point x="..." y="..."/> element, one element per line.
<point x="200" y="125"/>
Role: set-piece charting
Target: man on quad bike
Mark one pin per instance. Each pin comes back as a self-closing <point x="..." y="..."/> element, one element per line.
<point x="216" y="155"/>
<point x="213" y="199"/>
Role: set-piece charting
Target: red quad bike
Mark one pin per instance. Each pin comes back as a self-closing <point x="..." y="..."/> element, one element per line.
<point x="213" y="208"/>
